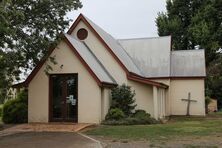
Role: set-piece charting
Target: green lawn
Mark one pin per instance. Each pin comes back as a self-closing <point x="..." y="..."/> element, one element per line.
<point x="216" y="113"/>
<point x="175" y="128"/>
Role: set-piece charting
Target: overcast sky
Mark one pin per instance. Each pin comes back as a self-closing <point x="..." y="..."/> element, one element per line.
<point x="123" y="18"/>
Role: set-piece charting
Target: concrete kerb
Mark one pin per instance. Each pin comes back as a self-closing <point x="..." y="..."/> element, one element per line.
<point x="98" y="142"/>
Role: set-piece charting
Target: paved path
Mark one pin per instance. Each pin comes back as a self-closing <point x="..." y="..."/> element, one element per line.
<point x="51" y="135"/>
<point x="47" y="140"/>
<point x="44" y="127"/>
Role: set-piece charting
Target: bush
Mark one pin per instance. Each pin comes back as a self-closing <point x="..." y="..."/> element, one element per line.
<point x="122" y="106"/>
<point x="1" y="107"/>
<point x="140" y="117"/>
<point x="131" y="121"/>
<point x="115" y="114"/>
<point x="141" y="114"/>
<point x="123" y="98"/>
<point x="16" y="110"/>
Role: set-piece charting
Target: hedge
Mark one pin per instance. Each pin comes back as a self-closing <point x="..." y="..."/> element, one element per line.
<point x="16" y="110"/>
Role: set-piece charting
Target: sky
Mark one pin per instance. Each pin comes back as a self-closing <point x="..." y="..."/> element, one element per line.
<point x="123" y="18"/>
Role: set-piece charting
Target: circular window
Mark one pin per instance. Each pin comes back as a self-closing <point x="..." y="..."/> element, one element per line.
<point x="82" y="34"/>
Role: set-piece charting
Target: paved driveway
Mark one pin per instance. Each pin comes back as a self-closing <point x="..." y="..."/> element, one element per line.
<point x="47" y="140"/>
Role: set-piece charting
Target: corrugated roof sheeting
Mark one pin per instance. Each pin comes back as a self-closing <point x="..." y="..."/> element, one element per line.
<point x="116" y="48"/>
<point x="188" y="63"/>
<point x="91" y="60"/>
<point x="151" y="55"/>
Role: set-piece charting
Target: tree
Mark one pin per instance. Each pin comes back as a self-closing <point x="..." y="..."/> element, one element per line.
<point x="27" y="29"/>
<point x="192" y="23"/>
<point x="16" y="110"/>
<point x="214" y="80"/>
<point x="123" y="98"/>
<point x="196" y="23"/>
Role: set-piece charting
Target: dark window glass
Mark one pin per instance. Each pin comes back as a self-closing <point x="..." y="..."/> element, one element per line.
<point x="82" y="34"/>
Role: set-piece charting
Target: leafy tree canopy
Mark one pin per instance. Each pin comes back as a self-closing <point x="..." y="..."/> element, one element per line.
<point x="27" y="29"/>
<point x="192" y="23"/>
<point x="197" y="23"/>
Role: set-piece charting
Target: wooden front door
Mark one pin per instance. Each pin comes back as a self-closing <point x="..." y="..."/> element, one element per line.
<point x="63" y="100"/>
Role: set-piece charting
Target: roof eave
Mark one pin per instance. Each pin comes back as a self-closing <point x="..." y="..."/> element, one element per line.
<point x="19" y="85"/>
<point x="144" y="80"/>
<point x="109" y="85"/>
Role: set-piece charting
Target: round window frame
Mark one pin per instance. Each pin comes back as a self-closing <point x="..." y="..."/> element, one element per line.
<point x="82" y="34"/>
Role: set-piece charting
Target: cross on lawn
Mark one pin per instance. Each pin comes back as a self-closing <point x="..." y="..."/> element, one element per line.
<point x="188" y="103"/>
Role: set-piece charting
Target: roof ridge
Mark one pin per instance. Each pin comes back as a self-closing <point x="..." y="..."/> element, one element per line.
<point x="88" y="19"/>
<point x="143" y="38"/>
<point x="192" y="50"/>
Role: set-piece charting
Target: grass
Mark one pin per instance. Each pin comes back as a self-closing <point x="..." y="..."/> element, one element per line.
<point x="216" y="113"/>
<point x="177" y="127"/>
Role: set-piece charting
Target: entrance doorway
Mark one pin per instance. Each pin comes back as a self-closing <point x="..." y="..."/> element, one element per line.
<point x="63" y="100"/>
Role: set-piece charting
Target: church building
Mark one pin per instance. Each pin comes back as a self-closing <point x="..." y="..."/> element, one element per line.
<point x="90" y="62"/>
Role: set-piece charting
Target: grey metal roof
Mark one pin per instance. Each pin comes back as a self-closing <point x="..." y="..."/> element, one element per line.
<point x="188" y="63"/>
<point x="152" y="55"/>
<point x="91" y="60"/>
<point x="155" y="59"/>
<point x="116" y="48"/>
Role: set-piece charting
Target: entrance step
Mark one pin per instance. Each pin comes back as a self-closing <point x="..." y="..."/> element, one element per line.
<point x="46" y="127"/>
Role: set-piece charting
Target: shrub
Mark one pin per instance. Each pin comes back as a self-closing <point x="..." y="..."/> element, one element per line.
<point x="141" y="114"/>
<point x="140" y="117"/>
<point x="141" y="121"/>
<point x="115" y="114"/>
<point x="1" y="110"/>
<point x="123" y="98"/>
<point x="16" y="110"/>
<point x="122" y="106"/>
<point x="131" y="121"/>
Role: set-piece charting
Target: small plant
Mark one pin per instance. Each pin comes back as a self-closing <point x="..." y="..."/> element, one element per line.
<point x="141" y="114"/>
<point x="140" y="117"/>
<point x="16" y="110"/>
<point x="115" y="114"/>
<point x="131" y="121"/>
<point x="1" y="108"/>
<point x="123" y="98"/>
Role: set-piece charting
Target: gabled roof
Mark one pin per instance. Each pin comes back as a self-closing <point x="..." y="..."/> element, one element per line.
<point x="156" y="60"/>
<point x="152" y="55"/>
<point x="116" y="50"/>
<point x="127" y="62"/>
<point x="188" y="63"/>
<point x="142" y="59"/>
